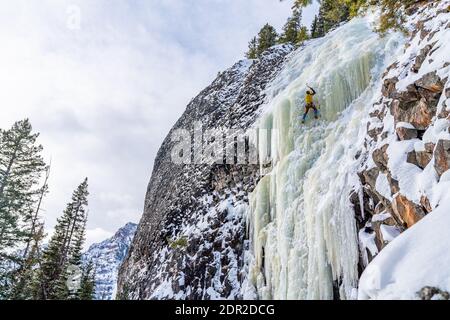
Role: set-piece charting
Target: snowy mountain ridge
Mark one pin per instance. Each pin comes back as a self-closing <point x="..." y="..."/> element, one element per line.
<point x="107" y="257"/>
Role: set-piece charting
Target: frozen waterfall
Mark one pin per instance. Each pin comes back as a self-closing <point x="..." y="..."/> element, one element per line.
<point x="303" y="237"/>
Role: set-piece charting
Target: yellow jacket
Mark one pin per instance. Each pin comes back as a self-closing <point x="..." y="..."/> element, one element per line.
<point x="310" y="96"/>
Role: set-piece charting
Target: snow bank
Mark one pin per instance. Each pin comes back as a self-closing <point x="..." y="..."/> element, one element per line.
<point x="417" y="258"/>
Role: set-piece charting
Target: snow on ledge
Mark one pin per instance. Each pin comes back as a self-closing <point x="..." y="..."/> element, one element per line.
<point x="415" y="259"/>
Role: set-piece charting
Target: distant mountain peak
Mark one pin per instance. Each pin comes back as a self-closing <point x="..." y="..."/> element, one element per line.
<point x="107" y="256"/>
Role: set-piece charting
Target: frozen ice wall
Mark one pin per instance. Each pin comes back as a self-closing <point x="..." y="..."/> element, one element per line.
<point x="303" y="237"/>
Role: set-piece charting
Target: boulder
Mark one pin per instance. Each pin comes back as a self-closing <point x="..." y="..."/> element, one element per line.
<point x="421" y="58"/>
<point x="393" y="183"/>
<point x="404" y="133"/>
<point x="418" y="103"/>
<point x="429" y="147"/>
<point x="433" y="293"/>
<point x="423" y="158"/>
<point x="407" y="211"/>
<point x="380" y="157"/>
<point x="408" y="97"/>
<point x="370" y="176"/>
<point x="388" y="88"/>
<point x="442" y="156"/>
<point x="431" y="82"/>
<point x="412" y="158"/>
<point x="419" y="114"/>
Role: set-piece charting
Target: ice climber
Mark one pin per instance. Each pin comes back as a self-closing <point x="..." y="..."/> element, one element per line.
<point x="309" y="104"/>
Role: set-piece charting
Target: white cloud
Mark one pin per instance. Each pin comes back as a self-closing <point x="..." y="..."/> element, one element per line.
<point x="105" y="95"/>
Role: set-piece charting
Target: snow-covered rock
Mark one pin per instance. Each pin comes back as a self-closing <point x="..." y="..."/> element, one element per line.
<point x="411" y="157"/>
<point x="107" y="257"/>
<point x="416" y="259"/>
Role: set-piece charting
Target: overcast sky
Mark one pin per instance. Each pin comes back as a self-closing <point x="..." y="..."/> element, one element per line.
<point x="103" y="81"/>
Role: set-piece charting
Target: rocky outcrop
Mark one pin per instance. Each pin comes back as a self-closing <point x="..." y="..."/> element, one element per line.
<point x="190" y="240"/>
<point x="442" y="156"/>
<point x="418" y="104"/>
<point x="432" y="293"/>
<point x="411" y="120"/>
<point x="407" y="211"/>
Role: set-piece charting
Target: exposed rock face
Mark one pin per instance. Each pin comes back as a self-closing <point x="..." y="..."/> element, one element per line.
<point x="442" y="156"/>
<point x="406" y="133"/>
<point x="107" y="257"/>
<point x="432" y="293"/>
<point x="407" y="211"/>
<point x="410" y="116"/>
<point x="417" y="105"/>
<point x="190" y="240"/>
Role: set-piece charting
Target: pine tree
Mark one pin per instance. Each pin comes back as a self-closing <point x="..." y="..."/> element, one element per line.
<point x="314" y="25"/>
<point x="302" y="35"/>
<point x="333" y="12"/>
<point x="25" y="285"/>
<point x="64" y="248"/>
<point x="87" y="287"/>
<point x="320" y="28"/>
<point x="21" y="167"/>
<point x="267" y="37"/>
<point x="292" y="27"/>
<point x="327" y="15"/>
<point x="392" y="17"/>
<point x="252" y="49"/>
<point x="298" y="4"/>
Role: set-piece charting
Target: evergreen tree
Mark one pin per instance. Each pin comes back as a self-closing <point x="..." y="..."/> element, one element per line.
<point x="21" y="167"/>
<point x="252" y="49"/>
<point x="328" y="15"/>
<point x="26" y="283"/>
<point x="314" y="25"/>
<point x="298" y="4"/>
<point x="302" y="35"/>
<point x="64" y="248"/>
<point x="87" y="287"/>
<point x="292" y="27"/>
<point x="392" y="17"/>
<point x="333" y="12"/>
<point x="267" y="37"/>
